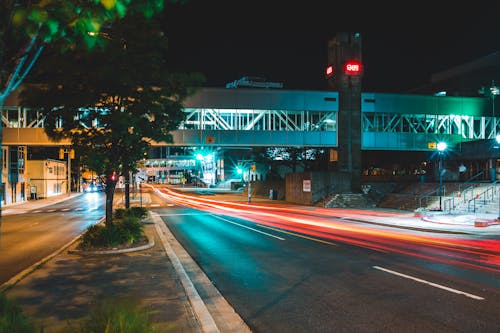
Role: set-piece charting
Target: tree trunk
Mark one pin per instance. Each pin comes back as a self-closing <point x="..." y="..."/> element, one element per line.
<point x="110" y="193"/>
<point x="126" y="176"/>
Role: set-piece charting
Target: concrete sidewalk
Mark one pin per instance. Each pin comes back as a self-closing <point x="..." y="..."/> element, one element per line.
<point x="61" y="292"/>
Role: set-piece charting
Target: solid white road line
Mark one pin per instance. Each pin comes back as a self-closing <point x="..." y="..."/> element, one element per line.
<point x="244" y="226"/>
<point x="429" y="283"/>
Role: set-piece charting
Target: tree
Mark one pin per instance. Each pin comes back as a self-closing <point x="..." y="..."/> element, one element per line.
<point x="293" y="158"/>
<point x="26" y="28"/>
<point x="112" y="102"/>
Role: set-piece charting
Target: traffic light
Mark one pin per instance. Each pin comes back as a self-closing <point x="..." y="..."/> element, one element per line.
<point x="113" y="176"/>
<point x="254" y="167"/>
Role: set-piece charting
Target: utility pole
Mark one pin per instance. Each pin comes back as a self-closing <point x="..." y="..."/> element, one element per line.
<point x="71" y="155"/>
<point x="249" y="187"/>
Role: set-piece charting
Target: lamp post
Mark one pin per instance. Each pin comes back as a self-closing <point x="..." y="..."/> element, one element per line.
<point x="249" y="187"/>
<point x="441" y="146"/>
<point x="497" y="138"/>
<point x="241" y="171"/>
<point x="199" y="158"/>
<point x="494" y="91"/>
<point x="140" y="189"/>
<point x="71" y="154"/>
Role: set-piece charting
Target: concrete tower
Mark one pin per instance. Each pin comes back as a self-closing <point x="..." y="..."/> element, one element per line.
<point x="344" y="57"/>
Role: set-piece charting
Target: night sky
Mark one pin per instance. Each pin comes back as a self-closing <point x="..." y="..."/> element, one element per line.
<point x="287" y="41"/>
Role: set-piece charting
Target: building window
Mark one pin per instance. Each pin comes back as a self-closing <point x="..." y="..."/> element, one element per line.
<point x="4" y="158"/>
<point x="20" y="162"/>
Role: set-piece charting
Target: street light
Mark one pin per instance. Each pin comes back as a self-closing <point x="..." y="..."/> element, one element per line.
<point x="494" y="91"/>
<point x="498" y="218"/>
<point x="441" y="147"/>
<point x="240" y="170"/>
<point x="199" y="158"/>
<point x="71" y="155"/>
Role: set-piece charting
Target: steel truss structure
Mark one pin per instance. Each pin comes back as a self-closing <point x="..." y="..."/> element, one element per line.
<point x="467" y="127"/>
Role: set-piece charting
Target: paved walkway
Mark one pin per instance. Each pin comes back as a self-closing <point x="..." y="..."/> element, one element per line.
<point x="63" y="290"/>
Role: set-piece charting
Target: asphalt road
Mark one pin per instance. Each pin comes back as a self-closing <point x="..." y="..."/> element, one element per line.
<point x="32" y="235"/>
<point x="284" y="281"/>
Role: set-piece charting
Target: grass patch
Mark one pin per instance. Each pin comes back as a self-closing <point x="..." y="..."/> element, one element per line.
<point x="12" y="318"/>
<point x="117" y="316"/>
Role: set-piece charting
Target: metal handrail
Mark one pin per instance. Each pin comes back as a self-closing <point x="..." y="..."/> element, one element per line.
<point x="426" y="196"/>
<point x="449" y="204"/>
<point x="471" y="179"/>
<point x="470" y="190"/>
<point x="484" y="196"/>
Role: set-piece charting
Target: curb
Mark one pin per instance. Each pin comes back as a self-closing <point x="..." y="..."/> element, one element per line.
<point x="114" y="251"/>
<point x="207" y="323"/>
<point x="151" y="244"/>
<point x="215" y="315"/>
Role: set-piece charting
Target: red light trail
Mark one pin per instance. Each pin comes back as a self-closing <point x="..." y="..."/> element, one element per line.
<point x="345" y="225"/>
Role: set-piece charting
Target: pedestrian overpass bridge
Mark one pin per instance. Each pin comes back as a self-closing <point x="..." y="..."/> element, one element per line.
<point x="274" y="117"/>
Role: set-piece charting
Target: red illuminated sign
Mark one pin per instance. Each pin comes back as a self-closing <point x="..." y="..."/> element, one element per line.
<point x="329" y="71"/>
<point x="352" y="68"/>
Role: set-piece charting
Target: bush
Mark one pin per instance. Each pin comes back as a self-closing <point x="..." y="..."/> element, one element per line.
<point x="131" y="228"/>
<point x="126" y="228"/>
<point x="12" y="318"/>
<point x="118" y="316"/>
<point x="138" y="212"/>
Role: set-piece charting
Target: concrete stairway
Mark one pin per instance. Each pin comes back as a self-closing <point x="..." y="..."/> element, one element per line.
<point x="350" y="200"/>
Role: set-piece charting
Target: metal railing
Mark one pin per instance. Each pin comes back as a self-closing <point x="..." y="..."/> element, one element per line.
<point x="468" y="181"/>
<point x="486" y="196"/>
<point x="424" y="199"/>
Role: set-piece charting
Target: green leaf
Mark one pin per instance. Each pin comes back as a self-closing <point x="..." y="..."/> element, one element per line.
<point x="121" y="9"/>
<point x="38" y="15"/>
<point x="53" y="26"/>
